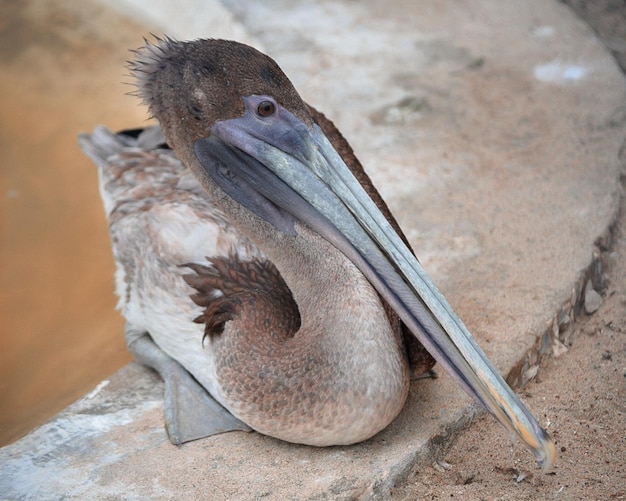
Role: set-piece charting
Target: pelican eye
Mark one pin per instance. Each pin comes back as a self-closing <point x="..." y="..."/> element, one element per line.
<point x="266" y="108"/>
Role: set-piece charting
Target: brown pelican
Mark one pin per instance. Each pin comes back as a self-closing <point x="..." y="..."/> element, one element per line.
<point x="273" y="238"/>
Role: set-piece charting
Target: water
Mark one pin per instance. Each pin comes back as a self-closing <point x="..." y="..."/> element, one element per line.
<point x="62" y="68"/>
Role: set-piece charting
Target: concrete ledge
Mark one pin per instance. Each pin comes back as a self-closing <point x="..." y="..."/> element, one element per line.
<point x="494" y="133"/>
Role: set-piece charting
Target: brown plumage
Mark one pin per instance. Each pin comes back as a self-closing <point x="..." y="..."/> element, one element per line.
<point x="300" y="273"/>
<point x="229" y="289"/>
<point x="257" y="359"/>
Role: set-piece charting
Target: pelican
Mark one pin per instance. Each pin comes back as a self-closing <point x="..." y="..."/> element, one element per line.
<point x="258" y="269"/>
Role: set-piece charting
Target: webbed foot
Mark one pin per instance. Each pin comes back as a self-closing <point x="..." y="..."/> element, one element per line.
<point x="190" y="411"/>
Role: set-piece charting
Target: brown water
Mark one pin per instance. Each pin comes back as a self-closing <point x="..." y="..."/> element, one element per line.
<point x="62" y="68"/>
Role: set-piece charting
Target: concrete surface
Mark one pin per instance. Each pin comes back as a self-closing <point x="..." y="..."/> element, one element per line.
<point x="492" y="128"/>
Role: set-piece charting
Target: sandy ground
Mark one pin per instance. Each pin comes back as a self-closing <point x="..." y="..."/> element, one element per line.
<point x="587" y="415"/>
<point x="586" y="387"/>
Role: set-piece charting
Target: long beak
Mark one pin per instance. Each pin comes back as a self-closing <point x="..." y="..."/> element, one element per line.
<point x="284" y="170"/>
